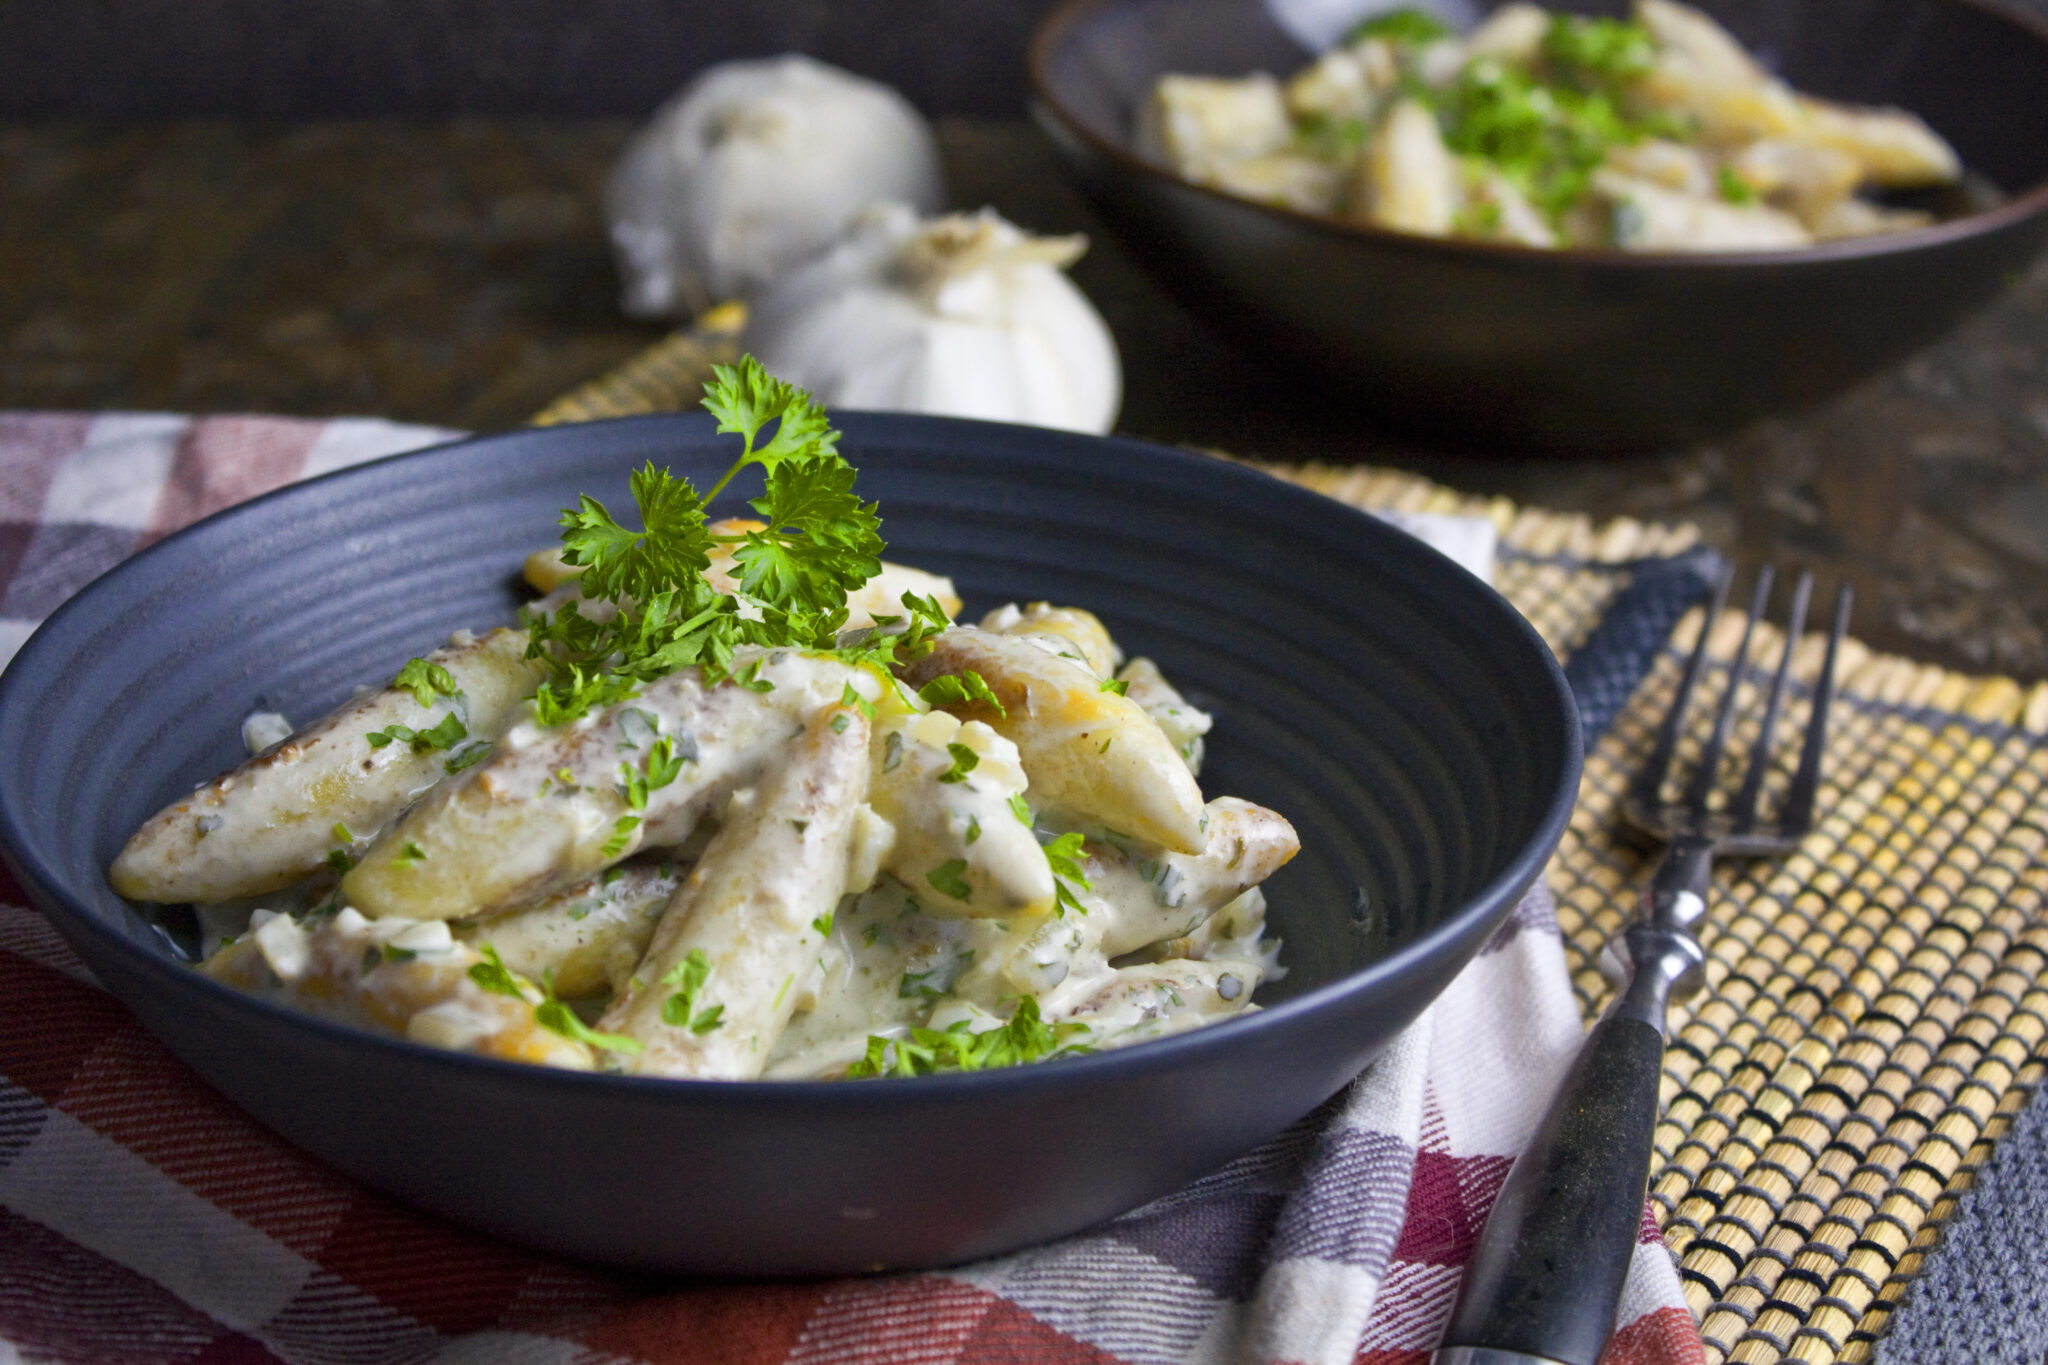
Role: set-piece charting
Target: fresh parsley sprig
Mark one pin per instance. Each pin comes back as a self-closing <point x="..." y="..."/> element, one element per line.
<point x="661" y="614"/>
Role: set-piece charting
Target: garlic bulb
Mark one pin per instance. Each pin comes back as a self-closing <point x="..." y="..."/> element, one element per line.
<point x="967" y="316"/>
<point x="752" y="167"/>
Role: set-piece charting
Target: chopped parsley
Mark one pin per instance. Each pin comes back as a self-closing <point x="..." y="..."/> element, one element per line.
<point x="1592" y="52"/>
<point x="946" y="879"/>
<point x="1024" y="1037"/>
<point x="965" y="760"/>
<point x="1020" y="810"/>
<point x="425" y="681"/>
<point x="935" y="981"/>
<point x="1547" y="130"/>
<point x="468" y="756"/>
<point x="689" y="978"/>
<point x="823" y="924"/>
<point x="1064" y="854"/>
<point x="1120" y="686"/>
<point x="493" y="975"/>
<point x="411" y="853"/>
<point x="557" y="1018"/>
<point x="852" y="697"/>
<point x="622" y="834"/>
<point x="448" y="733"/>
<point x="973" y="829"/>
<point x="1734" y="189"/>
<point x="960" y="689"/>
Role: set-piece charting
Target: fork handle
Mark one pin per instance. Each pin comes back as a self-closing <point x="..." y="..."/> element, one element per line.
<point x="1548" y="1271"/>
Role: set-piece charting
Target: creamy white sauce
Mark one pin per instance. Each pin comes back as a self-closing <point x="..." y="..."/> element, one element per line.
<point x="261" y="729"/>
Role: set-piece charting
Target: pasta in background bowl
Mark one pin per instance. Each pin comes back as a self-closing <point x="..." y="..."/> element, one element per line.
<point x="1658" y="132"/>
<point x="1413" y="729"/>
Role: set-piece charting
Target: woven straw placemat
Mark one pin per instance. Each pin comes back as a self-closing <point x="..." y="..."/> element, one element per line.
<point x="1877" y="1006"/>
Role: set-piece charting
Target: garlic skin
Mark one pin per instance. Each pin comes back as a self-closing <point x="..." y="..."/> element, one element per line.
<point x="752" y="167"/>
<point x="963" y="316"/>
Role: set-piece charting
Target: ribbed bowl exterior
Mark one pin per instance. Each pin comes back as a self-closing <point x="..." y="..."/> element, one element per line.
<point x="1408" y="721"/>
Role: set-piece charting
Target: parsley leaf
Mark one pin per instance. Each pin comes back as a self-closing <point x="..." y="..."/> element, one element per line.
<point x="664" y="764"/>
<point x="1734" y="189"/>
<point x="1020" y="810"/>
<point x="946" y="878"/>
<point x="1120" y="686"/>
<point x="494" y="976"/>
<point x="622" y="834"/>
<point x="556" y="1017"/>
<point x="672" y="545"/>
<point x="1064" y="854"/>
<point x="425" y="681"/>
<point x="680" y="1009"/>
<point x="964" y="687"/>
<point x="965" y="761"/>
<point x="468" y="756"/>
<point x="445" y="735"/>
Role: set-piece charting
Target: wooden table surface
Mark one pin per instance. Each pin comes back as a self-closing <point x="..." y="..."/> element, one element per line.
<point x="458" y="273"/>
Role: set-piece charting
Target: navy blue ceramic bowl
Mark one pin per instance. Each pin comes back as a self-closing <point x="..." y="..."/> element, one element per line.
<point x="1408" y="721"/>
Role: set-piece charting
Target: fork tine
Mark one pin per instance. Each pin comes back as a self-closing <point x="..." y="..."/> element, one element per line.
<point x="1744" y="809"/>
<point x="1649" y="780"/>
<point x="1708" y="775"/>
<point x="1798" y="813"/>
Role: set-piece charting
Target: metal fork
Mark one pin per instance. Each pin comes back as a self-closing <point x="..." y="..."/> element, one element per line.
<point x="1548" y="1271"/>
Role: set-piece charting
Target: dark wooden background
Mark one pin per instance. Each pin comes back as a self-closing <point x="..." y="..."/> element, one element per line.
<point x="322" y="59"/>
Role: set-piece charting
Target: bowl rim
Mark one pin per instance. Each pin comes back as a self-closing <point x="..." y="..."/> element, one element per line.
<point x="2020" y="206"/>
<point x="1480" y="913"/>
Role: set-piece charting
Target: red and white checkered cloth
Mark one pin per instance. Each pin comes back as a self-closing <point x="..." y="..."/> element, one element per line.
<point x="145" y="1221"/>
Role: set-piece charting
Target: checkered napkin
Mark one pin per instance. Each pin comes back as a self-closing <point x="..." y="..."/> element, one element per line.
<point x="144" y="1220"/>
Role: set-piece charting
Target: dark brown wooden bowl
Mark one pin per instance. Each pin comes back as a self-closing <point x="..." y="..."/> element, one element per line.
<point x="1572" y="350"/>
